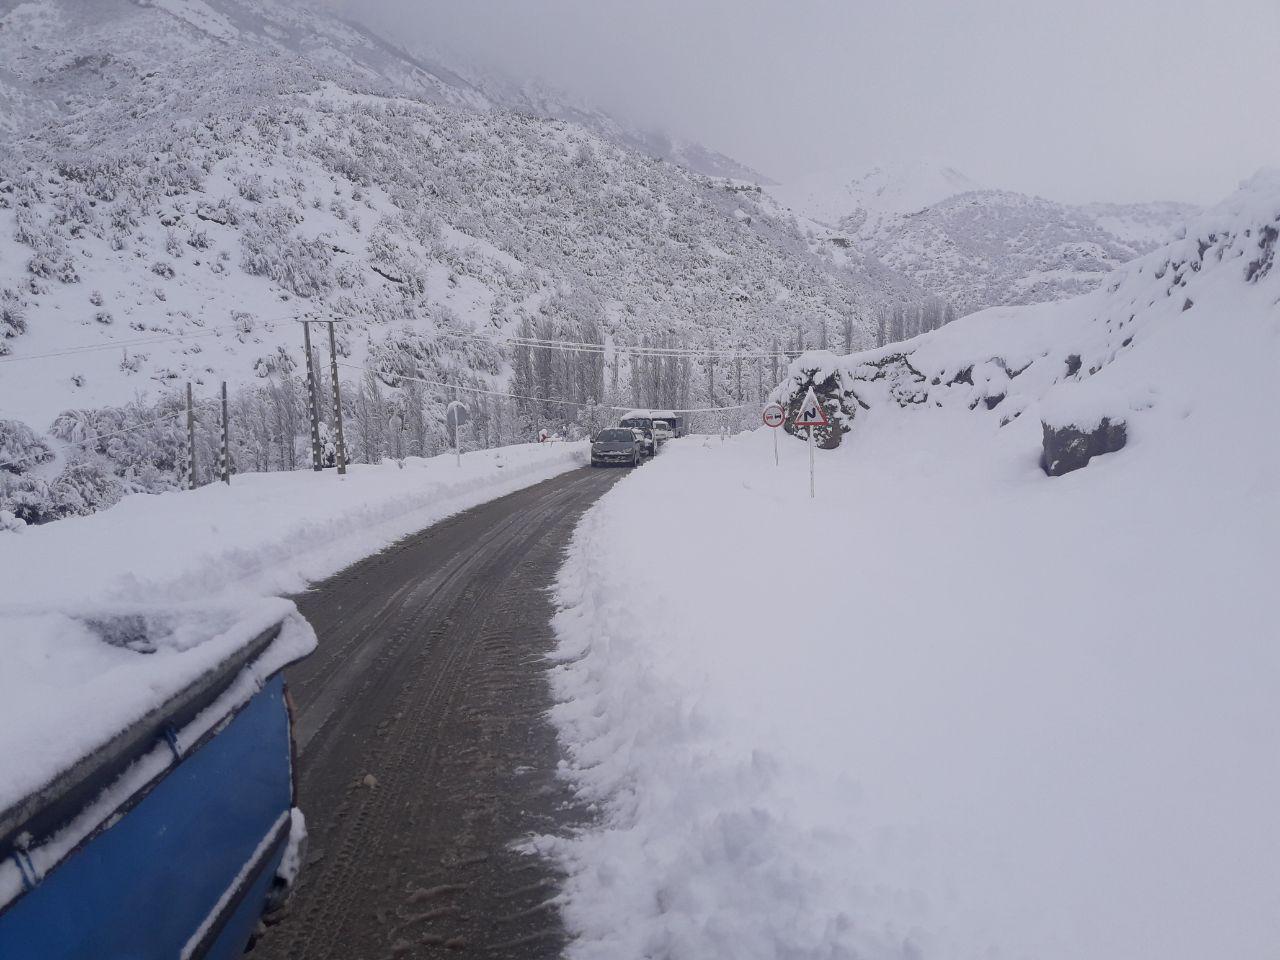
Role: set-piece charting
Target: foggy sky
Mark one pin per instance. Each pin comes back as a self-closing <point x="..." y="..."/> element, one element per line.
<point x="1075" y="99"/>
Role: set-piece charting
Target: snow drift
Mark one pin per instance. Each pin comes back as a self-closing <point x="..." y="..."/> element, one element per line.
<point x="265" y="534"/>
<point x="954" y="707"/>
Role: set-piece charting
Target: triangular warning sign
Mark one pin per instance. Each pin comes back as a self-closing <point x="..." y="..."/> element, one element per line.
<point x="811" y="412"/>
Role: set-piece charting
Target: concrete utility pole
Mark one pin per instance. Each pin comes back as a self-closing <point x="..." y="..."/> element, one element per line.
<point x="711" y="381"/>
<point x="313" y="405"/>
<point x="226" y="438"/>
<point x="337" y="401"/>
<point x="191" y="441"/>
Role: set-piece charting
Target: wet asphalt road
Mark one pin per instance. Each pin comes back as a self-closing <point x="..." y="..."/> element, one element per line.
<point x="424" y="752"/>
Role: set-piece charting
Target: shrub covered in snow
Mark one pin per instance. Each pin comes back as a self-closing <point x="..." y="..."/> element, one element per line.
<point x="85" y="485"/>
<point x="21" y="449"/>
<point x="270" y="246"/>
<point x="13" y="317"/>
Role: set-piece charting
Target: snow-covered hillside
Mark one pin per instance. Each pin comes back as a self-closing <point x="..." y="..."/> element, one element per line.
<point x="190" y="177"/>
<point x="954" y="707"/>
<point x="975" y="246"/>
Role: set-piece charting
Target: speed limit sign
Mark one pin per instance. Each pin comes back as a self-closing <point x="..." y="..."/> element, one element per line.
<point x="773" y="416"/>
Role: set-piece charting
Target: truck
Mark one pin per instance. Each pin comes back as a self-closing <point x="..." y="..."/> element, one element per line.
<point x="148" y="808"/>
<point x="674" y="419"/>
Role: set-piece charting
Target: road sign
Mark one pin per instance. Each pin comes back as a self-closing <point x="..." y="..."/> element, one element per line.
<point x="774" y="416"/>
<point x="457" y="414"/>
<point x="811" y="415"/>
<point x="811" y="412"/>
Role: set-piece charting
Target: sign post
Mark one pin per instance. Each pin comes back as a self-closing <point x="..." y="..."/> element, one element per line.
<point x="811" y="415"/>
<point x="774" y="416"/>
<point x="456" y="414"/>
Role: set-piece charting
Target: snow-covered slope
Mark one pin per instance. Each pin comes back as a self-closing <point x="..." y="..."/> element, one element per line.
<point x="189" y="132"/>
<point x="977" y="247"/>
<point x="955" y="707"/>
<point x="195" y="175"/>
<point x="536" y="98"/>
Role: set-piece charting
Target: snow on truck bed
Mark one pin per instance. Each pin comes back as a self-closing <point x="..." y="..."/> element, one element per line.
<point x="73" y="680"/>
<point x="198" y="566"/>
<point x="954" y="707"/>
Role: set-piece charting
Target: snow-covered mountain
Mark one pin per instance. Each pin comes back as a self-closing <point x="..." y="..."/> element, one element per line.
<point x="187" y="178"/>
<point x="977" y="247"/>
<point x="536" y="98"/>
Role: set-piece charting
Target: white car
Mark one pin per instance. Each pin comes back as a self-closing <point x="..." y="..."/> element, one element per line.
<point x="662" y="431"/>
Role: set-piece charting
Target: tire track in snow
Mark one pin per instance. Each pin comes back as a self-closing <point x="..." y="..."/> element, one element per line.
<point x="424" y="749"/>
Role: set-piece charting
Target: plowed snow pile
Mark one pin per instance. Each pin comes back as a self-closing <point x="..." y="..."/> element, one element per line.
<point x="954" y="707"/>
<point x="265" y="534"/>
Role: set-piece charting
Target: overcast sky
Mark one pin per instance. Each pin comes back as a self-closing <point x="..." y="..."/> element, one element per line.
<point x="1072" y="99"/>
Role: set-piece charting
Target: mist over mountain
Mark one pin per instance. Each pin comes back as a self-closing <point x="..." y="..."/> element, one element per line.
<point x="975" y="246"/>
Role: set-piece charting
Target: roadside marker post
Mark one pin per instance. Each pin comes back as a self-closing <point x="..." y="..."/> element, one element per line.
<point x="811" y="415"/>
<point x="773" y="416"/>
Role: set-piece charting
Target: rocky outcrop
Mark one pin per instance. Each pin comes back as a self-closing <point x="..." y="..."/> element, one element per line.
<point x="1069" y="447"/>
<point x="838" y="404"/>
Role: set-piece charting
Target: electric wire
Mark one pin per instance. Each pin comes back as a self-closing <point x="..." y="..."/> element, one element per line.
<point x="516" y="396"/>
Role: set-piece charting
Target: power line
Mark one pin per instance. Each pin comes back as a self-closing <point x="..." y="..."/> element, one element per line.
<point x="516" y="396"/>
<point x="583" y="347"/>
<point x="114" y="344"/>
<point x="578" y="346"/>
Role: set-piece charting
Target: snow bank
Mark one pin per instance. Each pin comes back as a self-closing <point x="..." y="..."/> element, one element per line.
<point x="194" y="568"/>
<point x="265" y="534"/>
<point x="953" y="707"/>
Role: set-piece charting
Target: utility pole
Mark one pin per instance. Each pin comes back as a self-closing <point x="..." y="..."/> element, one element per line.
<point x="317" y="455"/>
<point x="191" y="441"/>
<point x="226" y="438"/>
<point x="337" y="401"/>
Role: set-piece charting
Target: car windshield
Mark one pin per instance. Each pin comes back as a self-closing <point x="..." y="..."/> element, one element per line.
<point x="661" y="425"/>
<point x="636" y="423"/>
<point x="615" y="436"/>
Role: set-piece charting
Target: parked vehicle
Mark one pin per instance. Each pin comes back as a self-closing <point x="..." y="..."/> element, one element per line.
<point x="617" y="445"/>
<point x="662" y="431"/>
<point x="644" y="425"/>
<point x="174" y="832"/>
<point x="676" y="421"/>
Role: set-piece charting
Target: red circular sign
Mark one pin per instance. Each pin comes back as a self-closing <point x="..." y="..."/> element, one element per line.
<point x="774" y="415"/>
